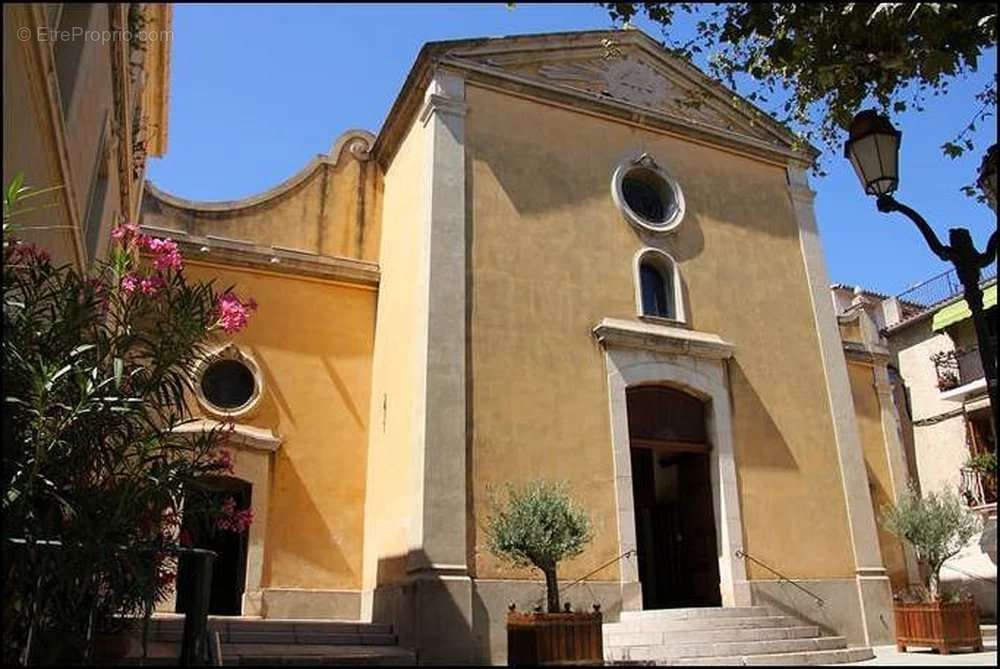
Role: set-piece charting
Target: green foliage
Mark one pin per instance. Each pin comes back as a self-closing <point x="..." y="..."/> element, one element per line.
<point x="538" y="525"/>
<point x="937" y="525"/>
<point x="96" y="379"/>
<point x="14" y="196"/>
<point x="833" y="59"/>
<point x="985" y="463"/>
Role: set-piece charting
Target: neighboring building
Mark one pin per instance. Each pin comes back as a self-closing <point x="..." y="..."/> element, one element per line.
<point x="942" y="407"/>
<point x="545" y="265"/>
<point x="85" y="103"/>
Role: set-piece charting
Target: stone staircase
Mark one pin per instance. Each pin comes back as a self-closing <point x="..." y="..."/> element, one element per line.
<point x="989" y="632"/>
<point x="268" y="641"/>
<point x="738" y="636"/>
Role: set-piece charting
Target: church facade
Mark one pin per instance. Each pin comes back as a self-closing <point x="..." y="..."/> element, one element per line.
<point x="565" y="256"/>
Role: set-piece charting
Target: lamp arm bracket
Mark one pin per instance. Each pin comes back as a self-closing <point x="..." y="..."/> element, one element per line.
<point x="887" y="203"/>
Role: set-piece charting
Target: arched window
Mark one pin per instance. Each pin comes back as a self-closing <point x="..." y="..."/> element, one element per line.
<point x="656" y="285"/>
<point x="654" y="292"/>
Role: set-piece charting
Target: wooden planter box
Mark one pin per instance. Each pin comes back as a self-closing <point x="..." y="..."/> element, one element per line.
<point x="554" y="638"/>
<point x="940" y="625"/>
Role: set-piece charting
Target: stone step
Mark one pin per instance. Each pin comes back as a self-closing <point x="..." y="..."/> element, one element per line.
<point x="657" y="624"/>
<point x="714" y="612"/>
<point x="162" y="654"/>
<point x="281" y="631"/>
<point x="708" y="636"/>
<point x="314" y="654"/>
<point x="725" y="649"/>
<point x="836" y="656"/>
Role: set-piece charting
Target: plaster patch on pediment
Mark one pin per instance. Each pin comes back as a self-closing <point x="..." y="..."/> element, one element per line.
<point x="626" y="73"/>
<point x="631" y="79"/>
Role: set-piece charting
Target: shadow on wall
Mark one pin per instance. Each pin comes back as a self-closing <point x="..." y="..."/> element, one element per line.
<point x="425" y="611"/>
<point x="787" y="600"/>
<point x="756" y="444"/>
<point x="309" y="540"/>
<point x="542" y="181"/>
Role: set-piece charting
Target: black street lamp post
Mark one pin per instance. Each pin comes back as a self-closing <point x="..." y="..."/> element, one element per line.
<point x="873" y="149"/>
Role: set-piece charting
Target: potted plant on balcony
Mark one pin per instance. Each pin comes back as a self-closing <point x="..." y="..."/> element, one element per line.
<point x="938" y="526"/>
<point x="946" y="366"/>
<point x="985" y="464"/>
<point x="539" y="525"/>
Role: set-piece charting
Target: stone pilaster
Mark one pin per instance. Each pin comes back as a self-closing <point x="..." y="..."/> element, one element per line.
<point x="894" y="456"/>
<point x="874" y="592"/>
<point x="439" y="590"/>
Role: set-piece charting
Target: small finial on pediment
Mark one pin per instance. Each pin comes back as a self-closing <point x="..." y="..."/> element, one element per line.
<point x="646" y="160"/>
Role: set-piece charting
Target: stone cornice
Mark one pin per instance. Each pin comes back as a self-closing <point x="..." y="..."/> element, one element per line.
<point x="457" y="54"/>
<point x="271" y="258"/>
<point x="356" y="142"/>
<point x="255" y="438"/>
<point x="614" y="332"/>
<point x="439" y="104"/>
<point x="871" y="355"/>
<point x="581" y="101"/>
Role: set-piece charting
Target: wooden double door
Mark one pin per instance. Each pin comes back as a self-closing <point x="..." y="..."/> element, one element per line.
<point x="673" y="501"/>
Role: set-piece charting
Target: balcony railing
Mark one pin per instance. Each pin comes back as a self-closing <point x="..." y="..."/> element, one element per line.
<point x="978" y="488"/>
<point x="957" y="368"/>
<point x="933" y="293"/>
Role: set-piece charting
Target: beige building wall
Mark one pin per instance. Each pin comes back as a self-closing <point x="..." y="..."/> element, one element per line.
<point x="79" y="138"/>
<point x="939" y="424"/>
<point x="551" y="256"/>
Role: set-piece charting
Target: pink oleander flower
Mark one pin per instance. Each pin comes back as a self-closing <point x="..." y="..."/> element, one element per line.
<point x="17" y="252"/>
<point x="166" y="255"/>
<point x="130" y="283"/>
<point x="150" y="284"/>
<point x="125" y="232"/>
<point x="234" y="314"/>
<point x="223" y="461"/>
<point x="232" y="519"/>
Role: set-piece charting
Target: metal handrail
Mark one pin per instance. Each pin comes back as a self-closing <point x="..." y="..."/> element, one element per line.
<point x="781" y="577"/>
<point x="624" y="555"/>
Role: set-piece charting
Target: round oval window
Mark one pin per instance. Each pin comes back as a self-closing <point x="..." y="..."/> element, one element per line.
<point x="228" y="384"/>
<point x="648" y="195"/>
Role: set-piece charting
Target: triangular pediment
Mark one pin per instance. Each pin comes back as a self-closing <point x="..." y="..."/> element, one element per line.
<point x="627" y="68"/>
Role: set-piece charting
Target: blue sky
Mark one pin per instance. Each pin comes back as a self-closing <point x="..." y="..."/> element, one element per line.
<point x="257" y="90"/>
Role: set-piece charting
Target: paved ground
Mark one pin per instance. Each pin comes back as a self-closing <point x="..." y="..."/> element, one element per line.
<point x="888" y="656"/>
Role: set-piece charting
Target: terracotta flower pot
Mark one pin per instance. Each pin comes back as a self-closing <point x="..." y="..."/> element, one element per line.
<point x="942" y="626"/>
<point x="554" y="638"/>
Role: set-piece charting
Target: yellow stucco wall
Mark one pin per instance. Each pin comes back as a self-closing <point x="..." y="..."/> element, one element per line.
<point x="396" y="381"/>
<point x="313" y="341"/>
<point x="324" y="214"/>
<point x="868" y="411"/>
<point x="550" y="256"/>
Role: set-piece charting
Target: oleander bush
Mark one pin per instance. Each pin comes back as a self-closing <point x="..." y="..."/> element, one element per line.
<point x="96" y="375"/>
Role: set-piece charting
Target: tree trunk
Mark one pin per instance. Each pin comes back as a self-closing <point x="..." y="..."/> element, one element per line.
<point x="552" y="589"/>
<point x="932" y="582"/>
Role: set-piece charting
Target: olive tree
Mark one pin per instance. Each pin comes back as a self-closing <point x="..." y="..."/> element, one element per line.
<point x="937" y="525"/>
<point x="538" y="525"/>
